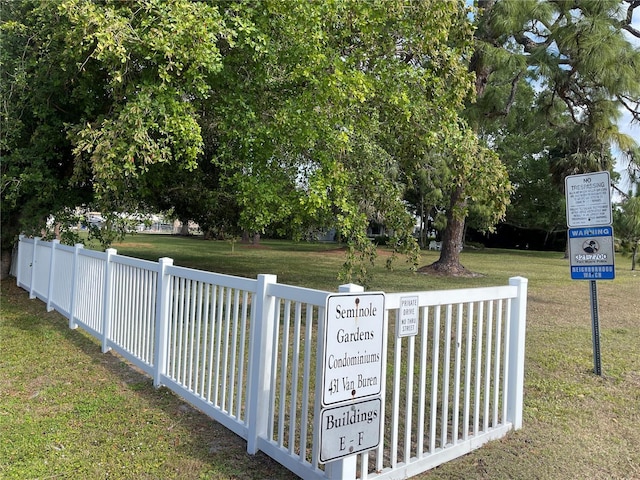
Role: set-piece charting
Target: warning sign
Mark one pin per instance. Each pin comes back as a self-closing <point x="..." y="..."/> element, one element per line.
<point x="591" y="253"/>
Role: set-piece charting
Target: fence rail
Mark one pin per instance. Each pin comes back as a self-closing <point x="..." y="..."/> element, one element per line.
<point x="244" y="351"/>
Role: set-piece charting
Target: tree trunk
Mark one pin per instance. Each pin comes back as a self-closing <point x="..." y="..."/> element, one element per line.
<point x="633" y="257"/>
<point x="452" y="239"/>
<point x="184" y="229"/>
<point x="5" y="265"/>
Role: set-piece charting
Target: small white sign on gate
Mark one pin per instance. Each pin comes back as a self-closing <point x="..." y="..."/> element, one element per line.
<point x="408" y="316"/>
<point x="350" y="429"/>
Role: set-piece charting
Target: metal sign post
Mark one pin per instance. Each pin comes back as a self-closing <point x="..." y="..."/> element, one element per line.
<point x="595" y="328"/>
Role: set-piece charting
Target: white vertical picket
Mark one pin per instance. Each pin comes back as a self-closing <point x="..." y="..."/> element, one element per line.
<point x="422" y="395"/>
<point x="518" y="316"/>
<point x="410" y="359"/>
<point x="34" y="269"/>
<point x="75" y="278"/>
<point x="163" y="299"/>
<point x="434" y="380"/>
<point x="52" y="269"/>
<point x="487" y="368"/>
<point x="21" y="260"/>
<point x="456" y="381"/>
<point x="445" y="378"/>
<point x="260" y="362"/>
<point x="107" y="296"/>
<point x="467" y="373"/>
<point x="478" y="370"/>
<point x="497" y="363"/>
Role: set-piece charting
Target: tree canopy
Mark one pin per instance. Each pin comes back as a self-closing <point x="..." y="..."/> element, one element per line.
<point x="584" y="68"/>
<point x="94" y="94"/>
<point x="311" y="112"/>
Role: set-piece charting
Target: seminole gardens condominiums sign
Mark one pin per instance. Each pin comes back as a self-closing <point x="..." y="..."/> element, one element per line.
<point x="353" y="347"/>
<point x="351" y="412"/>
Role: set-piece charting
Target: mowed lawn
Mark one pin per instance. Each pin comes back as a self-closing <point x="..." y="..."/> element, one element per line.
<point x="69" y="411"/>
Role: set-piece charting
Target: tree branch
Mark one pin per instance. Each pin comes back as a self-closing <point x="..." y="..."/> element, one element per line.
<point x="510" y="100"/>
<point x="626" y="24"/>
<point x="618" y="190"/>
<point x="529" y="44"/>
<point x="625" y="101"/>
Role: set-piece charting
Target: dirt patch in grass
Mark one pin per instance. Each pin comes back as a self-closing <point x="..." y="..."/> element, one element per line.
<point x="437" y="270"/>
<point x="140" y="245"/>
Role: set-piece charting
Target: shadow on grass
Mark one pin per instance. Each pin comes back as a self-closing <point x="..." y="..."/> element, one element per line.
<point x="201" y="447"/>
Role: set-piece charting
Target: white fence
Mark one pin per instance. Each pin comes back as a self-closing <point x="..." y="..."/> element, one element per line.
<point x="244" y="352"/>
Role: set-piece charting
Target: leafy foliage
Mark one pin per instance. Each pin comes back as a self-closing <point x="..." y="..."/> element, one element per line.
<point x="95" y="94"/>
<point x="626" y="222"/>
<point x="310" y="111"/>
<point x="321" y="123"/>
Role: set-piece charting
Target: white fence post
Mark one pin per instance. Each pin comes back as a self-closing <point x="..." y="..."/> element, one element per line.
<point x="21" y="259"/>
<point x="261" y="356"/>
<point x="517" y="320"/>
<point x="163" y="297"/>
<point x="345" y="468"/>
<point x="74" y="286"/>
<point x="52" y="266"/>
<point x="32" y="286"/>
<point x="106" y="299"/>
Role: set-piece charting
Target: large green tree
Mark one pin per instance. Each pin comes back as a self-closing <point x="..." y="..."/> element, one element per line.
<point x="580" y="58"/>
<point x="311" y="111"/>
<point x="318" y="125"/>
<point x="525" y="140"/>
<point x="96" y="93"/>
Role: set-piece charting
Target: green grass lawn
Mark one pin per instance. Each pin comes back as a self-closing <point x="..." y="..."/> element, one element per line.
<point x="69" y="411"/>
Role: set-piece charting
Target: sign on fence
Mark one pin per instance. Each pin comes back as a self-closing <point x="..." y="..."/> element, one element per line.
<point x="349" y="429"/>
<point x="352" y="374"/>
<point x="408" y="315"/>
<point x="352" y="347"/>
